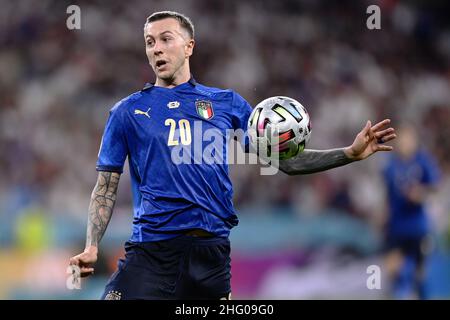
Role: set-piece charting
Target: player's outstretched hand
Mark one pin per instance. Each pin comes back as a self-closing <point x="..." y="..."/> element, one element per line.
<point x="85" y="261"/>
<point x="370" y="140"/>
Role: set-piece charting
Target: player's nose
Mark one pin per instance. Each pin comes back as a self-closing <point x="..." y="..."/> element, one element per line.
<point x="157" y="49"/>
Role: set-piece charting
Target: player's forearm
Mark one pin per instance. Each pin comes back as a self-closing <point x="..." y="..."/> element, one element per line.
<point x="312" y="161"/>
<point x="101" y="207"/>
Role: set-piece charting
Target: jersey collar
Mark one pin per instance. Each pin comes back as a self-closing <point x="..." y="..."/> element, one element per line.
<point x="149" y="85"/>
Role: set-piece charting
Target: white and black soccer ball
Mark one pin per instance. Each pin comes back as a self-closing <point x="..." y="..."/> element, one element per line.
<point x="279" y="128"/>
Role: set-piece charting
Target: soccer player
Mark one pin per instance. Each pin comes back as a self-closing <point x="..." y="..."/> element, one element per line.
<point x="410" y="174"/>
<point x="183" y="213"/>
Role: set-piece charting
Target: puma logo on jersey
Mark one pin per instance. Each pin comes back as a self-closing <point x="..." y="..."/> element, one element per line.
<point x="145" y="113"/>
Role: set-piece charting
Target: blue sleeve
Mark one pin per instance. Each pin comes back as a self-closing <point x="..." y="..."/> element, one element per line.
<point x="431" y="170"/>
<point x="113" y="148"/>
<point x="241" y="114"/>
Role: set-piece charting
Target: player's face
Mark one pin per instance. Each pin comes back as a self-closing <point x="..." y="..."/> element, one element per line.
<point x="168" y="48"/>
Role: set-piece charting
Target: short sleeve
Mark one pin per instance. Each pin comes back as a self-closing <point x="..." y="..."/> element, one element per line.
<point x="241" y="114"/>
<point x="113" y="148"/>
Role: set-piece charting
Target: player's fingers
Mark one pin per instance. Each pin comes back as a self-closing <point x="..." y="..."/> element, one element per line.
<point x="84" y="272"/>
<point x="365" y="132"/>
<point x="74" y="261"/>
<point x="384" y="148"/>
<point x="87" y="261"/>
<point x="385" y="132"/>
<point x="86" y="269"/>
<point x="387" y="138"/>
<point x="380" y="124"/>
<point x="366" y="128"/>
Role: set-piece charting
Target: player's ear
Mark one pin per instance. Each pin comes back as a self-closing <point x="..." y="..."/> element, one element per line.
<point x="189" y="48"/>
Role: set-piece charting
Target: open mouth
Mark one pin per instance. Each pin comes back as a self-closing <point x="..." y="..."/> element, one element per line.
<point x="160" y="63"/>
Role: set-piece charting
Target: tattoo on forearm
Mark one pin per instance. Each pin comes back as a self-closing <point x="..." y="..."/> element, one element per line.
<point x="101" y="206"/>
<point x="311" y="161"/>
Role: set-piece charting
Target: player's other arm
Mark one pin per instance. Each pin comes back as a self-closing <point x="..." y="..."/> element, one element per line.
<point x="371" y="139"/>
<point x="101" y="207"/>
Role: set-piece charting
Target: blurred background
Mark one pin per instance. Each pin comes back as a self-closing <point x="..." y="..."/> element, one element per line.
<point x="302" y="237"/>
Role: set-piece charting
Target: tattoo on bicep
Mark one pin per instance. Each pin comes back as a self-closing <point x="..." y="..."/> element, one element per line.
<point x="101" y="206"/>
<point x="311" y="161"/>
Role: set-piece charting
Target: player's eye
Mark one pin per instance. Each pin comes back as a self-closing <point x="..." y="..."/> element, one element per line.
<point x="150" y="43"/>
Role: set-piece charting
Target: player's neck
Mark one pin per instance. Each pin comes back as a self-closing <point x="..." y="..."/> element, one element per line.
<point x="182" y="77"/>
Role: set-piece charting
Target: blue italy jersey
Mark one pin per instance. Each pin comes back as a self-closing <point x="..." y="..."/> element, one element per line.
<point x="176" y="143"/>
<point x="408" y="219"/>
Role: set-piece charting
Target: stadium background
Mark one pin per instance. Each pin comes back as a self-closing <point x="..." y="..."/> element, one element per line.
<point x="299" y="237"/>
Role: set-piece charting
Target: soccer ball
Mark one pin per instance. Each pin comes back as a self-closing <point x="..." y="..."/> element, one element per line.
<point x="279" y="128"/>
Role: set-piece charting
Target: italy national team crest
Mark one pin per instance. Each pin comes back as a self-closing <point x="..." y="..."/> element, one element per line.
<point x="204" y="109"/>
